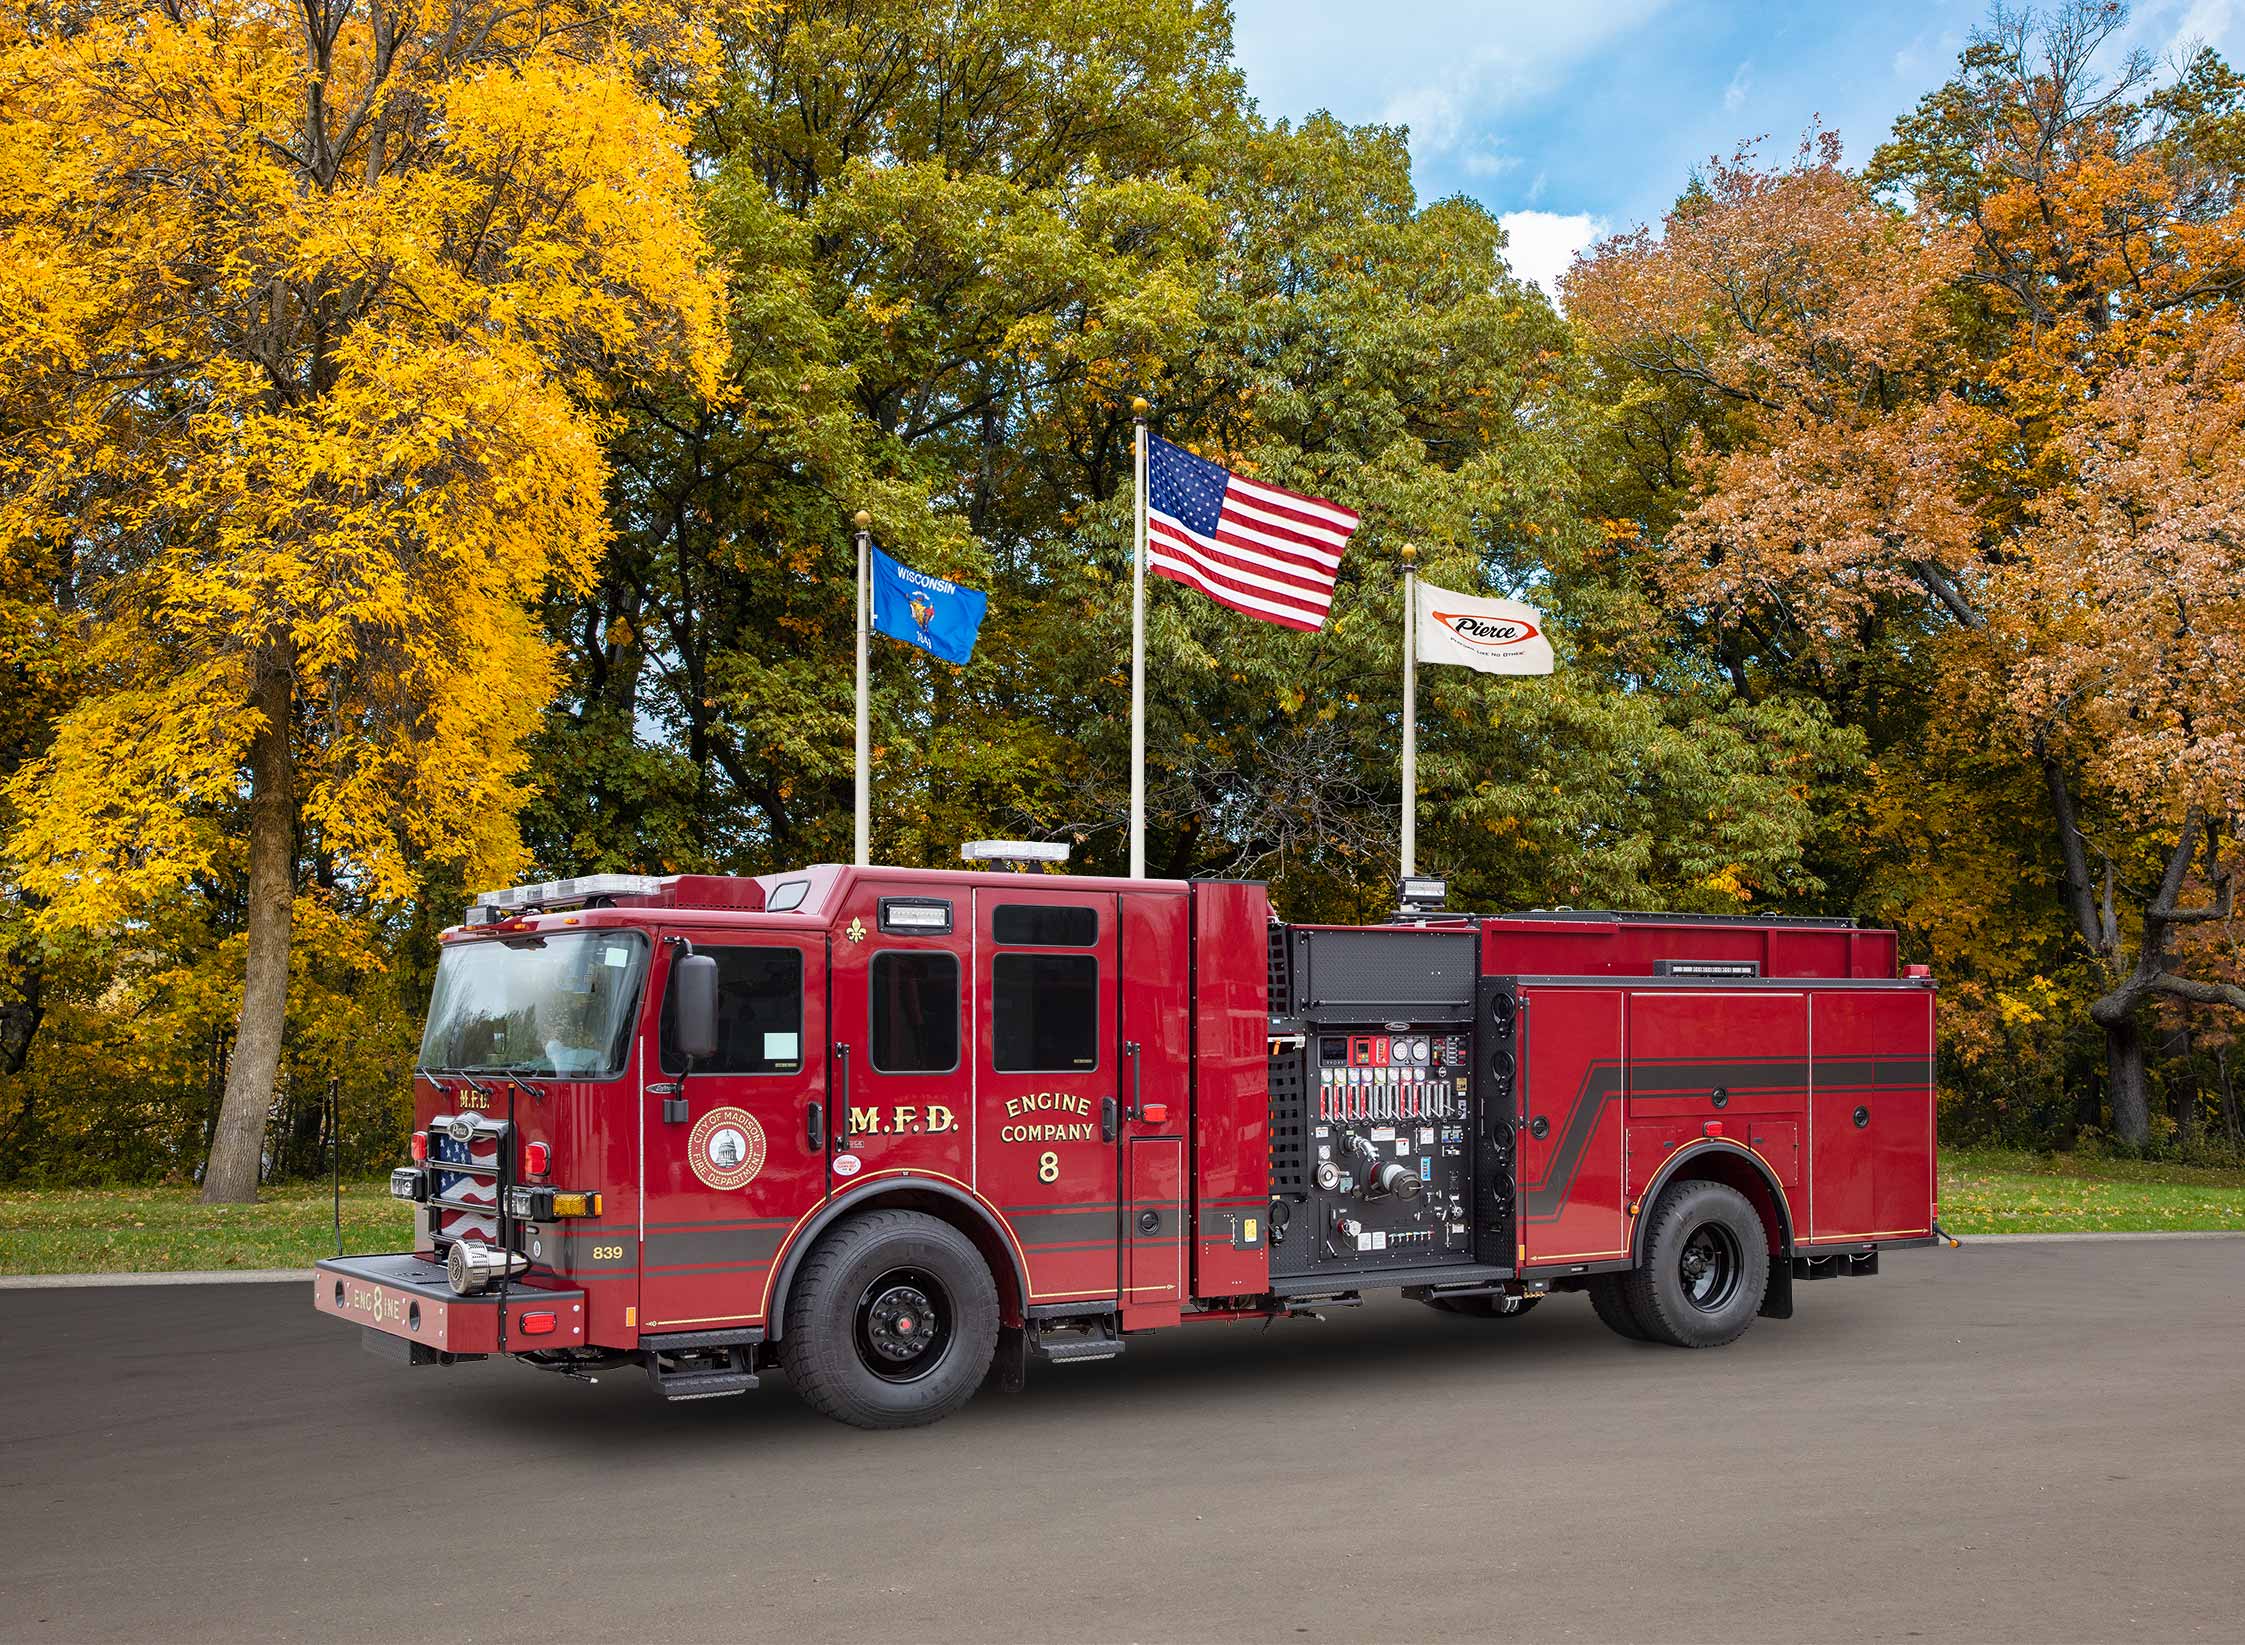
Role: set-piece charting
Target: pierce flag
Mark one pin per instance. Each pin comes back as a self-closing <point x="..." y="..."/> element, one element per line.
<point x="939" y="616"/>
<point x="1494" y="636"/>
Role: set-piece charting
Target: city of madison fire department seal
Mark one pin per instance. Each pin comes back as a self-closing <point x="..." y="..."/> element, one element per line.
<point x="727" y="1148"/>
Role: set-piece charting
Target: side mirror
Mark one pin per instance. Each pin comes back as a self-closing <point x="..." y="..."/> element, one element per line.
<point x="694" y="981"/>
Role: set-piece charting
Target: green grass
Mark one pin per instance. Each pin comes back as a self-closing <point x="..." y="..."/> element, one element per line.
<point x="1992" y="1191"/>
<point x="143" y="1230"/>
<point x="146" y="1230"/>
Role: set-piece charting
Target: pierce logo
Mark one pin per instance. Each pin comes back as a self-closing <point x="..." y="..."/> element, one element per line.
<point x="1487" y="633"/>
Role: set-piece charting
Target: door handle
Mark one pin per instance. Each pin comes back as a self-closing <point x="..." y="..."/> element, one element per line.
<point x="814" y="1123"/>
<point x="840" y="1129"/>
<point x="1110" y="1119"/>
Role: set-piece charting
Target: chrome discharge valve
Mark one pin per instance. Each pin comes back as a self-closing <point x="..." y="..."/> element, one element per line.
<point x="473" y="1266"/>
<point x="1384" y="1175"/>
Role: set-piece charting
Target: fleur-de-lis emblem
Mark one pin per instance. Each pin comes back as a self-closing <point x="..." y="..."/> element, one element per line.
<point x="856" y="932"/>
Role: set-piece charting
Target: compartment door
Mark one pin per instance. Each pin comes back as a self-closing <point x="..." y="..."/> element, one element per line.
<point x="1871" y="1121"/>
<point x="1154" y="1208"/>
<point x="1570" y="1126"/>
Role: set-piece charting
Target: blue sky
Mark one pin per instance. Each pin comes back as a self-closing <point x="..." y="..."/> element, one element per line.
<point x="1574" y="118"/>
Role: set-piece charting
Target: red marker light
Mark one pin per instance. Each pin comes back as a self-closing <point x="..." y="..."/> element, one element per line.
<point x="536" y="1156"/>
<point x="1154" y="1113"/>
<point x="418" y="1146"/>
<point x="539" y="1325"/>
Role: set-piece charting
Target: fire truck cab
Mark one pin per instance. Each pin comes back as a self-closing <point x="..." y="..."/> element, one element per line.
<point x="892" y="1130"/>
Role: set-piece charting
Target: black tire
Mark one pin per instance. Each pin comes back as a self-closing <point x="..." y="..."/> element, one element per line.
<point x="891" y="1323"/>
<point x="1484" y="1307"/>
<point x="1706" y="1267"/>
<point x="1611" y="1303"/>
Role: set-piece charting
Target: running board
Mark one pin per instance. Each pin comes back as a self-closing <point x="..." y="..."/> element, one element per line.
<point x="701" y="1370"/>
<point x="1100" y="1339"/>
<point x="678" y="1385"/>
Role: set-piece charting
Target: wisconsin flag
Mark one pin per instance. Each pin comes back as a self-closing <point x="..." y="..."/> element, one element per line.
<point x="939" y="616"/>
<point x="1494" y="636"/>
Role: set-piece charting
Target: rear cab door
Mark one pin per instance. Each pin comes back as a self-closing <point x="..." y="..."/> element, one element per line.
<point x="1048" y="1060"/>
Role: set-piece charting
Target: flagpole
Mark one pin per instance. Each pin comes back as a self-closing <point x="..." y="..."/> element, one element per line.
<point x="864" y="740"/>
<point x="1138" y="410"/>
<point x="1410" y="713"/>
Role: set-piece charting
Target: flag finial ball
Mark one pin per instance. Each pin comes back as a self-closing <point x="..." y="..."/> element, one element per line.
<point x="1410" y="553"/>
<point x="1139" y="408"/>
<point x="863" y="519"/>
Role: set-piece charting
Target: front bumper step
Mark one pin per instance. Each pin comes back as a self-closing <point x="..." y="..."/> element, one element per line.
<point x="405" y="1296"/>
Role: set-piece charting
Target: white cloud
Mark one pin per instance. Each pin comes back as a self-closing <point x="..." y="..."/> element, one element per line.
<point x="2203" y="22"/>
<point x="1734" y="94"/>
<point x="1540" y="244"/>
<point x="1488" y="161"/>
<point x="1445" y="68"/>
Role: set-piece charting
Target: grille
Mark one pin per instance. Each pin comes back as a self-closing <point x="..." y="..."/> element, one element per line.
<point x="466" y="1179"/>
<point x="1385" y="973"/>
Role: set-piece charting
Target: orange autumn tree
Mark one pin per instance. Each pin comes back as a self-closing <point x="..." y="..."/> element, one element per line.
<point x="1919" y="427"/>
<point x="310" y="315"/>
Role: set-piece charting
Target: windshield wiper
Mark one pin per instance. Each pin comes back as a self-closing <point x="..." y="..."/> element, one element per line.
<point x="531" y="1070"/>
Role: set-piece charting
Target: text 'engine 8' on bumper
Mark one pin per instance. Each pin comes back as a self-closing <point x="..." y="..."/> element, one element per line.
<point x="405" y="1297"/>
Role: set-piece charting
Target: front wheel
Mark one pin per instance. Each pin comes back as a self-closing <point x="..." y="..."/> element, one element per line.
<point x="1706" y="1267"/>
<point x="892" y="1321"/>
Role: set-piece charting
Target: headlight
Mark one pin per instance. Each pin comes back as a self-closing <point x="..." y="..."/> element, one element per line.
<point x="409" y="1182"/>
<point x="550" y="1204"/>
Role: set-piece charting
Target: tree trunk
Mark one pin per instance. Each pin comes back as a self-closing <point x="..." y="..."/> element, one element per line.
<point x="2230" y="1122"/>
<point x="238" y="1143"/>
<point x="2124" y="1081"/>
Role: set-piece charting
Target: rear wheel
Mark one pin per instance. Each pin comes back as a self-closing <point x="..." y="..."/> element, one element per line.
<point x="892" y="1321"/>
<point x="1611" y="1304"/>
<point x="1706" y="1267"/>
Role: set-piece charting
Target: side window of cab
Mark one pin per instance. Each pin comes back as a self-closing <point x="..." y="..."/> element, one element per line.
<point x="759" y="1013"/>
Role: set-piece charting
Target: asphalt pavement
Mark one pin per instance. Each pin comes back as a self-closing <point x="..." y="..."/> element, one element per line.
<point x="2007" y="1442"/>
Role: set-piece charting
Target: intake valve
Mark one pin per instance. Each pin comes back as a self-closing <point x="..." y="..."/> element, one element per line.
<point x="1384" y="1174"/>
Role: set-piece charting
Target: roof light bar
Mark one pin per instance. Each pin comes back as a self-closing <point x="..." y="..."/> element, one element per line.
<point x="1015" y="851"/>
<point x="551" y="894"/>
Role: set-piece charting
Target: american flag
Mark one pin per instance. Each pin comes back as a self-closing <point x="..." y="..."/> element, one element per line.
<point x="1270" y="553"/>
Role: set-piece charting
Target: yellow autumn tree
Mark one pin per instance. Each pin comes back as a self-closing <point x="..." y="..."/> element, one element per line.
<point x="308" y="314"/>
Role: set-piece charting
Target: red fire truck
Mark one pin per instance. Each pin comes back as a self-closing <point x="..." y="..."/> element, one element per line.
<point x="895" y="1130"/>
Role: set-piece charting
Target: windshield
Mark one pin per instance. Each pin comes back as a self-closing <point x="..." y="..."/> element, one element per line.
<point x="553" y="1005"/>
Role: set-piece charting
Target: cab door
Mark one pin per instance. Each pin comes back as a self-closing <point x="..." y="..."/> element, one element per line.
<point x="899" y="1066"/>
<point x="1048" y="1077"/>
<point x="730" y="1157"/>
